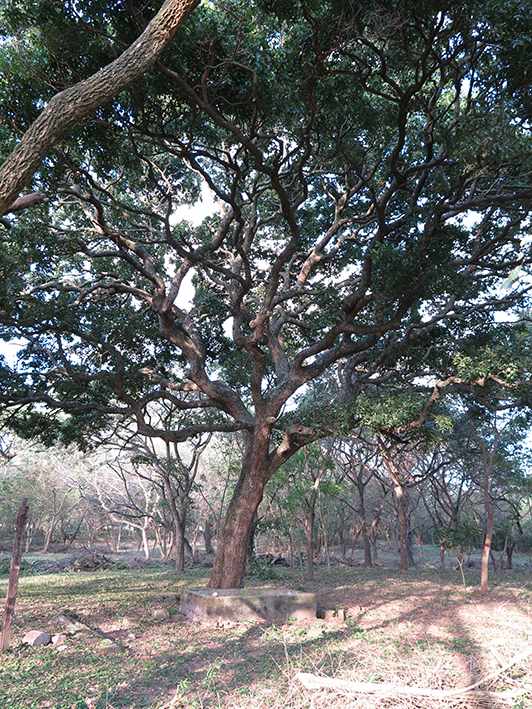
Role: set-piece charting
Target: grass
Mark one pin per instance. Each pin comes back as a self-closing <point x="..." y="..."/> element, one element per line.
<point x="422" y="628"/>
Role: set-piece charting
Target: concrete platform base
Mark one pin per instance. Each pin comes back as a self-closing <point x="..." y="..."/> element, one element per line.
<point x="267" y="605"/>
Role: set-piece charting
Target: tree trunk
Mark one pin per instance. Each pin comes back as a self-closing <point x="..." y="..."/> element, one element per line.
<point x="368" y="561"/>
<point x="410" y="546"/>
<point x="309" y="537"/>
<point x="251" y="539"/>
<point x="486" y="548"/>
<point x="75" y="104"/>
<point x="29" y="536"/>
<point x="169" y="546"/>
<point x="48" y="538"/>
<point x="207" y="535"/>
<point x="179" y="549"/>
<point x="442" y="556"/>
<point x="145" y="542"/>
<point x="509" y="554"/>
<point x="14" y="570"/>
<point x="230" y="560"/>
<point x="402" y="514"/>
<point x="180" y="541"/>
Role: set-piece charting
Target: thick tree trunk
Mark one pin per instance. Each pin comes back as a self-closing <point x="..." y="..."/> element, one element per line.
<point x="74" y="105"/>
<point x="486" y="548"/>
<point x="231" y="550"/>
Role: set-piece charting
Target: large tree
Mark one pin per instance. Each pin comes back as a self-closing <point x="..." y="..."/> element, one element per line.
<point x="371" y="176"/>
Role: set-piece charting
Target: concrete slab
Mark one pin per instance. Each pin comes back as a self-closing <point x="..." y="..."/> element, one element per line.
<point x="266" y="605"/>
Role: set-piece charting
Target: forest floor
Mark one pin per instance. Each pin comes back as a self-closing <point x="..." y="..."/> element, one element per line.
<point x="422" y="628"/>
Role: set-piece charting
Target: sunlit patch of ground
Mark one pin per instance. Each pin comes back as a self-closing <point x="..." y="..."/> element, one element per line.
<point x="423" y="628"/>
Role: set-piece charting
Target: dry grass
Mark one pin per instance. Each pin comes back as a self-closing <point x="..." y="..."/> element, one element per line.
<point x="421" y="629"/>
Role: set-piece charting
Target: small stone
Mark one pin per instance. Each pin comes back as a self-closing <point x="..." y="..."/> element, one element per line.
<point x="36" y="638"/>
<point x="59" y="639"/>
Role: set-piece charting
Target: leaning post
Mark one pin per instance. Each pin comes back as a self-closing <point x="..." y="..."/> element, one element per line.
<point x="14" y="569"/>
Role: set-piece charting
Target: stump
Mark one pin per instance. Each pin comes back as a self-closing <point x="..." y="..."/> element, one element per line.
<point x="266" y="605"/>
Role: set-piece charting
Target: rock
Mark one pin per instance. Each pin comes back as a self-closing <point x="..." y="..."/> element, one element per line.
<point x="69" y="624"/>
<point x="36" y="638"/>
<point x="59" y="639"/>
<point x="160" y="614"/>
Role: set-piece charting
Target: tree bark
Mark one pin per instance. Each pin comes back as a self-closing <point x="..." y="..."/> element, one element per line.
<point x="251" y="539"/>
<point x="207" y="535"/>
<point x="74" y="105"/>
<point x="486" y="548"/>
<point x="180" y="542"/>
<point x="145" y="543"/>
<point x="402" y="514"/>
<point x="47" y="539"/>
<point x="309" y="536"/>
<point x="442" y="556"/>
<point x="14" y="570"/>
<point x="231" y="550"/>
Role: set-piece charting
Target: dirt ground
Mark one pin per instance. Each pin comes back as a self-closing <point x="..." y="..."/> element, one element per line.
<point x="422" y="629"/>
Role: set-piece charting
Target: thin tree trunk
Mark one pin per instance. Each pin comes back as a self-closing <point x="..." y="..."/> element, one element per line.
<point x="145" y="542"/>
<point x="119" y="538"/>
<point x="402" y="514"/>
<point x="509" y="555"/>
<point x="251" y="539"/>
<point x="180" y="542"/>
<point x="14" y="570"/>
<point x="48" y="538"/>
<point x="29" y="536"/>
<point x="207" y="535"/>
<point x="309" y="536"/>
<point x="486" y="548"/>
<point x="368" y="561"/>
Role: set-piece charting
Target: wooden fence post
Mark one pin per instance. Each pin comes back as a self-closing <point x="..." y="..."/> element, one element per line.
<point x="12" y="586"/>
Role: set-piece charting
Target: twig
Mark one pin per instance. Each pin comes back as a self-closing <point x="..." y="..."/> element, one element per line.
<point x="310" y="681"/>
